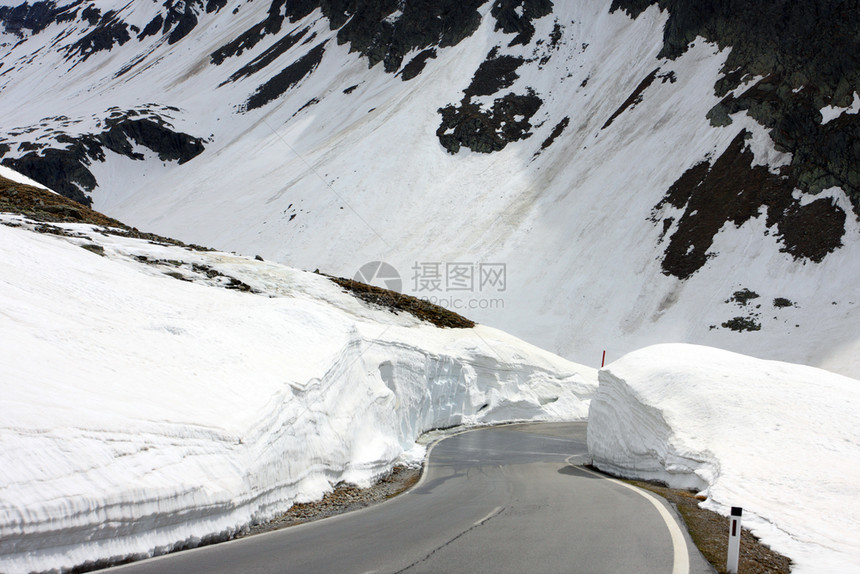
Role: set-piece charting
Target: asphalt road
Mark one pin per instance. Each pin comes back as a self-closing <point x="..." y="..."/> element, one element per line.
<point x="498" y="500"/>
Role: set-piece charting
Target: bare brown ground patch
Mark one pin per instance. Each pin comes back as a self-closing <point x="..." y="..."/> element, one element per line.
<point x="40" y="205"/>
<point x="396" y="302"/>
<point x="710" y="533"/>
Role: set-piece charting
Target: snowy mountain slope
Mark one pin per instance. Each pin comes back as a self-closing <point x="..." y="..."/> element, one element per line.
<point x="629" y="176"/>
<point x="778" y="440"/>
<point x="154" y="396"/>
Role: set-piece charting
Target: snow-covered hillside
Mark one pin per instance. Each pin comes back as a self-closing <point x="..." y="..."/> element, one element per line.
<point x="154" y="396"/>
<point x="634" y="192"/>
<point x="782" y="441"/>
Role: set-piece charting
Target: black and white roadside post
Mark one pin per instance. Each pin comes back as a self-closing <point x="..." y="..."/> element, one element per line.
<point x="734" y="540"/>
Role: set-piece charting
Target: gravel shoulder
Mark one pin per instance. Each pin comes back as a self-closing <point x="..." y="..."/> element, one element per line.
<point x="344" y="498"/>
<point x="710" y="532"/>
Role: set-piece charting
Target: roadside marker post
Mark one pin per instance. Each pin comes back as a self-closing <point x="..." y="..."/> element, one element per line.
<point x="603" y="361"/>
<point x="734" y="540"/>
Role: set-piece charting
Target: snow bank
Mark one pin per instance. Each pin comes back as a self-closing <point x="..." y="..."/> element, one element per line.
<point x="780" y="440"/>
<point x="139" y="412"/>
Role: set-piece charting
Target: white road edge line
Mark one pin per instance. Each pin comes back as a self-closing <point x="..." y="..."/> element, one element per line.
<point x="681" y="559"/>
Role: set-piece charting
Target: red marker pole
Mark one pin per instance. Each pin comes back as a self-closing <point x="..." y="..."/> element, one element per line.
<point x="734" y="540"/>
<point x="603" y="361"/>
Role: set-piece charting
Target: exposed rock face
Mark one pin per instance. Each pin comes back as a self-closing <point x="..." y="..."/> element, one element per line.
<point x="416" y="64"/>
<point x="633" y="98"/>
<point x="107" y="31"/>
<point x="386" y="30"/>
<point x="249" y="38"/>
<point x="487" y="130"/>
<point x="179" y="18"/>
<point x="515" y="17"/>
<point x="36" y="17"/>
<point x="556" y="131"/>
<point x="62" y="162"/>
<point x="484" y="129"/>
<point x="381" y="30"/>
<point x="789" y="59"/>
<point x="734" y="190"/>
<point x="260" y="62"/>
<point x="287" y="78"/>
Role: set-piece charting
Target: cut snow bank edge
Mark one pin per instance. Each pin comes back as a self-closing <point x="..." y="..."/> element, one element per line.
<point x="778" y="439"/>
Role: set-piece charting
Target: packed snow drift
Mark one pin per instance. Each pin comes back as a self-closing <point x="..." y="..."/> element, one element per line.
<point x="144" y="406"/>
<point x="780" y="440"/>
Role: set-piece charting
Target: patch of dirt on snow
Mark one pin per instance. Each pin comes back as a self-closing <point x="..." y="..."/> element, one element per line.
<point x="394" y="302"/>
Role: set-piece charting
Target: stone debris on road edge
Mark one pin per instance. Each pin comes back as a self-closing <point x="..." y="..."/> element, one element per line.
<point x="344" y="498"/>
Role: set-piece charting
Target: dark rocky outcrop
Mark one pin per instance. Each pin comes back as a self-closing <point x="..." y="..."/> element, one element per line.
<point x="634" y="98"/>
<point x="109" y="31"/>
<point x="153" y="27"/>
<point x="416" y="65"/>
<point x="286" y="78"/>
<point x="494" y="74"/>
<point x="488" y="130"/>
<point x="251" y="37"/>
<point x="181" y="18"/>
<point x="556" y="132"/>
<point x="178" y="18"/>
<point x="64" y="166"/>
<point x="387" y="30"/>
<point x="807" y="56"/>
<point x="734" y="190"/>
<point x="63" y="170"/>
<point x="742" y="324"/>
<point x="37" y="16"/>
<point x="515" y="17"/>
<point x="375" y="29"/>
<point x="270" y="55"/>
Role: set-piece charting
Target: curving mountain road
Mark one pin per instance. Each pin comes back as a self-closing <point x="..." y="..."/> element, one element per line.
<point x="505" y="499"/>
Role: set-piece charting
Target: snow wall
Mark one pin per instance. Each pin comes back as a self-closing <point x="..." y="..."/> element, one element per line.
<point x="139" y="413"/>
<point x="780" y="440"/>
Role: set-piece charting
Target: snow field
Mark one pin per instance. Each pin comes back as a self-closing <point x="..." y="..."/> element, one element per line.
<point x="780" y="440"/>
